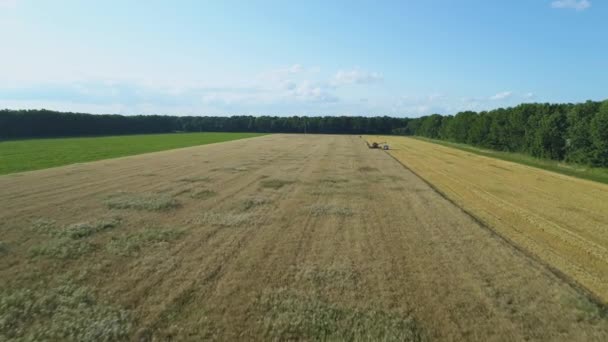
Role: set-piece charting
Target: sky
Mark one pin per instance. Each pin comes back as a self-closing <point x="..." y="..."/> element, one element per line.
<point x="332" y="57"/>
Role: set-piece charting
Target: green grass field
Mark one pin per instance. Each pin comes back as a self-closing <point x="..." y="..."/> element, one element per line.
<point x="596" y="174"/>
<point x="36" y="154"/>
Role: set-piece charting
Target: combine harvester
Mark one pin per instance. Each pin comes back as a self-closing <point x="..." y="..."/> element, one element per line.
<point x="377" y="145"/>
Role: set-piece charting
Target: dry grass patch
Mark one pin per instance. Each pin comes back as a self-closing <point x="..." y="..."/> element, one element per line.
<point x="148" y="202"/>
<point x="203" y="194"/>
<point x="381" y="178"/>
<point x="224" y="219"/>
<point x="181" y="192"/>
<point x="194" y="179"/>
<point x="66" y="312"/>
<point x="131" y="244"/>
<point x="368" y="169"/>
<point x="86" y="229"/>
<point x="329" y="209"/>
<point x="394" y="178"/>
<point x="590" y="311"/>
<point x="3" y="248"/>
<point x="290" y="315"/>
<point x="275" y="183"/>
<point x="44" y="226"/>
<point x="338" y="191"/>
<point x="336" y="276"/>
<point x="255" y="201"/>
<point x="62" y="248"/>
<point x="69" y="242"/>
<point x="333" y="182"/>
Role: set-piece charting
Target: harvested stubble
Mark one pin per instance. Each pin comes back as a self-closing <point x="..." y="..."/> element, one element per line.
<point x="329" y="209"/>
<point x="275" y="183"/>
<point x="149" y="202"/>
<point x="132" y="243"/>
<point x="194" y="179"/>
<point x="203" y="194"/>
<point x="406" y="262"/>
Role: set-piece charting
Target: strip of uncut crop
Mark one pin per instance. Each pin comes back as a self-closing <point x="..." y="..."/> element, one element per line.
<point x="597" y="174"/>
<point x="560" y="219"/>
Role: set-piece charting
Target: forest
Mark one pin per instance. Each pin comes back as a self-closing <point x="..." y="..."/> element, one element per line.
<point x="575" y="133"/>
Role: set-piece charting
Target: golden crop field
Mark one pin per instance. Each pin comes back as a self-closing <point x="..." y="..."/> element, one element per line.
<point x="560" y="219"/>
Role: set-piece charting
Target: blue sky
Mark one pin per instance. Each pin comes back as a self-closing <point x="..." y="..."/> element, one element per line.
<point x="399" y="58"/>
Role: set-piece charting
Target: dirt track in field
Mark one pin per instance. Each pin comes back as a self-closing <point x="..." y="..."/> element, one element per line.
<point x="294" y="237"/>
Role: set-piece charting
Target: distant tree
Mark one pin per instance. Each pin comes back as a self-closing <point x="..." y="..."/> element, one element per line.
<point x="461" y="125"/>
<point x="579" y="145"/>
<point x="599" y="135"/>
<point x="479" y="130"/>
<point x="550" y="136"/>
<point x="430" y="126"/>
<point x="445" y="129"/>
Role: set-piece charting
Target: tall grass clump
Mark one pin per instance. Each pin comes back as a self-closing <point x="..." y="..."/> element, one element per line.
<point x="255" y="201"/>
<point x="224" y="219"/>
<point x="289" y="315"/>
<point x="203" y="194"/>
<point x="67" y="312"/>
<point x="69" y="242"/>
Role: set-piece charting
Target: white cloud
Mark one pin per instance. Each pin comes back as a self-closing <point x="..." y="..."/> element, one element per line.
<point x="309" y="91"/>
<point x="283" y="73"/>
<point x="8" y="3"/>
<point x="314" y="69"/>
<point x="579" y="5"/>
<point x="529" y="96"/>
<point x="436" y="97"/>
<point x="356" y="76"/>
<point x="294" y="69"/>
<point x="110" y="108"/>
<point x="502" y="95"/>
<point x="289" y="85"/>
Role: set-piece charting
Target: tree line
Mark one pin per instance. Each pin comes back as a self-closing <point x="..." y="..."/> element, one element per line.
<point x="17" y="124"/>
<point x="576" y="133"/>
